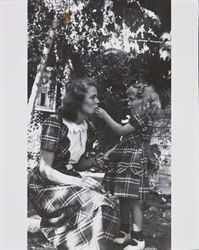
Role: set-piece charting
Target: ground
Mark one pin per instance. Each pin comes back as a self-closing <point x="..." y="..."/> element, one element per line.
<point x="157" y="226"/>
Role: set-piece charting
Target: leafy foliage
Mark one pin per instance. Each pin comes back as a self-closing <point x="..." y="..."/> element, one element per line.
<point x="116" y="41"/>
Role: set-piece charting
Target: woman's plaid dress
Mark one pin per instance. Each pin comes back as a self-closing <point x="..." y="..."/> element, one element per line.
<point x="72" y="217"/>
<point x="126" y="171"/>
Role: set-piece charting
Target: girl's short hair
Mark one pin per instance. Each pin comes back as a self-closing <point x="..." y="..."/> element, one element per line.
<point x="147" y="99"/>
<point x="74" y="96"/>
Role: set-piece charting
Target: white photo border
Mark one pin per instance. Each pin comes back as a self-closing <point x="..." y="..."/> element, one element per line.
<point x="185" y="125"/>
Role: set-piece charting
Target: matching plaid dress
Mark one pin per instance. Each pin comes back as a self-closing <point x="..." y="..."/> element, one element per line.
<point x="126" y="171"/>
<point x="72" y="217"/>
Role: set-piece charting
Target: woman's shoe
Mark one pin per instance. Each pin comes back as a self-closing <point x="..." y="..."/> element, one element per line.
<point x="135" y="245"/>
<point x="122" y="237"/>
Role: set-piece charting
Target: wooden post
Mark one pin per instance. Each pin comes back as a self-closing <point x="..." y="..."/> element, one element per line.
<point x="40" y="70"/>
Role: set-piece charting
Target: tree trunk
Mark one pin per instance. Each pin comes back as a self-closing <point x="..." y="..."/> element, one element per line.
<point x="36" y="88"/>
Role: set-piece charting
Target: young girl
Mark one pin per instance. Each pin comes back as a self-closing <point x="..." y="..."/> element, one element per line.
<point x="126" y="175"/>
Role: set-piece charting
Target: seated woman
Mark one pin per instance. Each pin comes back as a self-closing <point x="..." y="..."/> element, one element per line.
<point x="76" y="214"/>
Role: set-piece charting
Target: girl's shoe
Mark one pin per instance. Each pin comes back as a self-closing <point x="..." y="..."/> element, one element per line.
<point x="138" y="238"/>
<point x="122" y="237"/>
<point x="135" y="245"/>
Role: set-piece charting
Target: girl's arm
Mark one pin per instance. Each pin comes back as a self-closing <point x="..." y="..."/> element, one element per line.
<point x="116" y="127"/>
<point x="53" y="175"/>
<point x="106" y="155"/>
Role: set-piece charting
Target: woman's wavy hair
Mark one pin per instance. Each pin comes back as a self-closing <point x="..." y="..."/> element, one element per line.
<point x="74" y="96"/>
<point x="147" y="99"/>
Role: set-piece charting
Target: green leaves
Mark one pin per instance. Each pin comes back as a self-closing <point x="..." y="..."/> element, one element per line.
<point x="117" y="42"/>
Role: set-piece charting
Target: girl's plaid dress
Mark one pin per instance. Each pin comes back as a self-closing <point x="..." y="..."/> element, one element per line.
<point x="126" y="171"/>
<point x="72" y="217"/>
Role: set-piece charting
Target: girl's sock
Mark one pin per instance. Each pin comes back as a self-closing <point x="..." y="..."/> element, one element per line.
<point x="137" y="235"/>
<point x="124" y="227"/>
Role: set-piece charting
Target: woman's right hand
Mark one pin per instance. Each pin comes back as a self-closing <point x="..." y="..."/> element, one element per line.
<point x="91" y="183"/>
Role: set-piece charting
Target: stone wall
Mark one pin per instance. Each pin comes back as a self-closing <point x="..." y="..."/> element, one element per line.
<point x="162" y="137"/>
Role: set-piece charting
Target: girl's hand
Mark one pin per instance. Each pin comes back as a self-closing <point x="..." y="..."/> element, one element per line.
<point x="107" y="154"/>
<point x="101" y="113"/>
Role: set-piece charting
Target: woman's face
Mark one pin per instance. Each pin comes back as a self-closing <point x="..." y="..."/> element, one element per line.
<point x="90" y="102"/>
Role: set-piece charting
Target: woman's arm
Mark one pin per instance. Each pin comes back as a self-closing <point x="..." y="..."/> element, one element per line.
<point x="56" y="177"/>
<point x="84" y="164"/>
<point x="116" y="127"/>
<point x="53" y="175"/>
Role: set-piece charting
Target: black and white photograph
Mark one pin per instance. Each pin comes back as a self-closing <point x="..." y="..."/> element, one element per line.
<point x="99" y="124"/>
<point x="99" y="105"/>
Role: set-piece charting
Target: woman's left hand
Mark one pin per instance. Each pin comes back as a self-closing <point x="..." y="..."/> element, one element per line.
<point x="98" y="161"/>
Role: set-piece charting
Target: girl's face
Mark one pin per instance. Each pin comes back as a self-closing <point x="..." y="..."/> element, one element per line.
<point x="90" y="102"/>
<point x="132" y="98"/>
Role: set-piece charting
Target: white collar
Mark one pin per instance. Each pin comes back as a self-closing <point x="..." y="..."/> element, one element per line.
<point x="74" y="127"/>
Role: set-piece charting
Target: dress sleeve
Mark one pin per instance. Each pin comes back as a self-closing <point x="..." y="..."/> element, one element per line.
<point x="139" y="121"/>
<point x="50" y="134"/>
